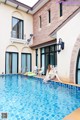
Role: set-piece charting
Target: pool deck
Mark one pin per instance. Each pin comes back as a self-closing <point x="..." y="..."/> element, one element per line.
<point x="75" y="115"/>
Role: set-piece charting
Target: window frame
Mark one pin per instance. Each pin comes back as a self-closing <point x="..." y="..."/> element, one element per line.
<point x="36" y="57"/>
<point x="44" y="53"/>
<point x="61" y="9"/>
<point x="77" y="69"/>
<point x="22" y="36"/>
<point x="49" y="16"/>
<point x="40" y="22"/>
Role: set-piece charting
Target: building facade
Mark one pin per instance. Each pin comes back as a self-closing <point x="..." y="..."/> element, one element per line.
<point x="48" y="21"/>
<point x="53" y="21"/>
<point x="16" y="27"/>
<point x="16" y="31"/>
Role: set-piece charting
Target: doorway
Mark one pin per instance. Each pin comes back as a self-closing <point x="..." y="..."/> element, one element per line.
<point x="78" y="69"/>
<point x="26" y="62"/>
<point x="48" y="56"/>
<point x="11" y="62"/>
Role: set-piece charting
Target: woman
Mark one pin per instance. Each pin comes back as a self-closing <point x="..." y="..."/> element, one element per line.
<point x="51" y="74"/>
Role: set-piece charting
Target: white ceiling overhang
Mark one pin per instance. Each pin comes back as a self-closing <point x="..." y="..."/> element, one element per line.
<point x="25" y="8"/>
<point x="17" y="5"/>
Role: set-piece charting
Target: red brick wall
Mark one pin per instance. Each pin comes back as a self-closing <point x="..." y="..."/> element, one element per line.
<point x="41" y="36"/>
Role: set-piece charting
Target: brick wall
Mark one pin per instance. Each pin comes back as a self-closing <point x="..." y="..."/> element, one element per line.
<point x="42" y="36"/>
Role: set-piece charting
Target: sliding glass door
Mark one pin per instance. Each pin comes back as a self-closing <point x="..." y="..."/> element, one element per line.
<point x="26" y="62"/>
<point x="43" y="62"/>
<point x="29" y="62"/>
<point x="48" y="56"/>
<point x="8" y="63"/>
<point x="14" y="63"/>
<point x="47" y="62"/>
<point x="23" y="63"/>
<point x="11" y="63"/>
<point x="78" y="69"/>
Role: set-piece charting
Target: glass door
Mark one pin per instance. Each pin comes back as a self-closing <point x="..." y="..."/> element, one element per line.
<point x="78" y="70"/>
<point x="26" y="62"/>
<point x="23" y="63"/>
<point x="11" y="63"/>
<point x="52" y="59"/>
<point x="43" y="62"/>
<point x="14" y="63"/>
<point x="47" y="60"/>
<point x="48" y="56"/>
<point x="8" y="63"/>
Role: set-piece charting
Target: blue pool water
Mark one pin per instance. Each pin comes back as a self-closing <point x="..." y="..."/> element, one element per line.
<point x="26" y="98"/>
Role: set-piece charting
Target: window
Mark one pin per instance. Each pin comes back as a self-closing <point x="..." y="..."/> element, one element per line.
<point x="49" y="16"/>
<point x="60" y="5"/>
<point x="17" y="28"/>
<point x="37" y="57"/>
<point x="40" y="22"/>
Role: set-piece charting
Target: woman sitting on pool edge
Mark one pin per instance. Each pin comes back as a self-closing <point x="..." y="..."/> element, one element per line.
<point x="51" y="74"/>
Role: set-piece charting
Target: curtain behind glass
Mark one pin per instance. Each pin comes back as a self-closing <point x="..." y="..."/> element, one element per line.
<point x="47" y="60"/>
<point x="78" y="76"/>
<point x="7" y="63"/>
<point x="28" y="62"/>
<point x="52" y="62"/>
<point x="14" y="63"/>
<point x="14" y="27"/>
<point x="43" y="63"/>
<point x="79" y="63"/>
<point x="17" y="28"/>
<point x="20" y="30"/>
<point x="23" y="63"/>
<point x="37" y="60"/>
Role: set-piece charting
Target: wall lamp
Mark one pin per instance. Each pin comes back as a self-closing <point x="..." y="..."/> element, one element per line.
<point x="29" y="40"/>
<point x="60" y="45"/>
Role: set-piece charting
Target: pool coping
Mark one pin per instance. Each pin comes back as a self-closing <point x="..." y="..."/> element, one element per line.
<point x="68" y="83"/>
<point x="42" y="77"/>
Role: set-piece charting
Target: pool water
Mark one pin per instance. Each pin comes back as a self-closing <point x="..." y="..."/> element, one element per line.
<point x="28" y="98"/>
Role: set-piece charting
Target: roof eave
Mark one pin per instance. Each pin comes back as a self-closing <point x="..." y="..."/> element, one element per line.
<point x="38" y="5"/>
<point x="26" y="8"/>
<point x="17" y="5"/>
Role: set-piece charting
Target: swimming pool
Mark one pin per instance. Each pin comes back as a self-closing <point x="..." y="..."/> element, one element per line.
<point x="28" y="98"/>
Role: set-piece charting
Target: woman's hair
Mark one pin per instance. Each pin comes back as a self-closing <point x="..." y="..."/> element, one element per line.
<point x="49" y="68"/>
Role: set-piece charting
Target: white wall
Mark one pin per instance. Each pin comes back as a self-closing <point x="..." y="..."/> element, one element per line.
<point x="69" y="34"/>
<point x="6" y="13"/>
